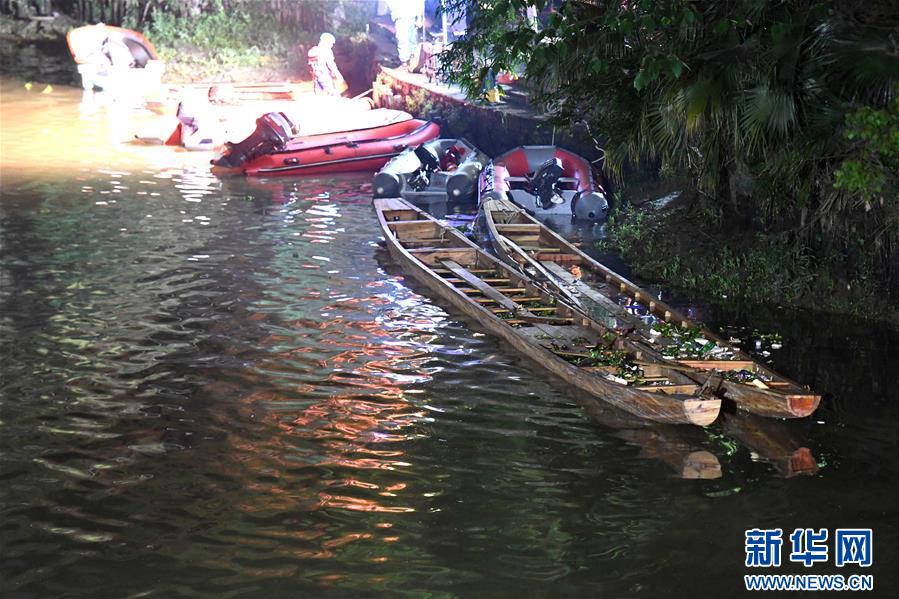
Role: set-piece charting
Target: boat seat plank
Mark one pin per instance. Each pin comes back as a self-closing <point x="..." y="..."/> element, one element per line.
<point x="523" y="237"/>
<point x="570" y="258"/>
<point x="487" y="300"/>
<point x="540" y="250"/>
<point x="532" y="318"/>
<point x="394" y="204"/>
<point x="406" y="223"/>
<point x="439" y="250"/>
<point x="411" y="229"/>
<point x="454" y="280"/>
<point x="444" y="271"/>
<point x="517" y="228"/>
<point x="480" y="285"/>
<point x="669" y="389"/>
<point x="719" y="364"/>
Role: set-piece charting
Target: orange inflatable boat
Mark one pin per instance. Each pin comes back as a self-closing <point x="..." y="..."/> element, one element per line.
<point x="271" y="150"/>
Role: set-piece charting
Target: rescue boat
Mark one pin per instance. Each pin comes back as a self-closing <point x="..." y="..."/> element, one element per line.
<point x="274" y="148"/>
<point x="202" y="123"/>
<point x="546" y="180"/>
<point x="114" y="58"/>
<point x="442" y="169"/>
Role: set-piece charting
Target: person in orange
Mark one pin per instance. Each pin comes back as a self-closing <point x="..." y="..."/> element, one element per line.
<point x="326" y="77"/>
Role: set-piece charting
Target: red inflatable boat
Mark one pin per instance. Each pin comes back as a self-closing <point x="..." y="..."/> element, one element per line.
<point x="546" y="180"/>
<point x="271" y="150"/>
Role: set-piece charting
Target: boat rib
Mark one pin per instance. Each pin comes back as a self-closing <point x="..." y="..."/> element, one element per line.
<point x="600" y="291"/>
<point x="545" y="330"/>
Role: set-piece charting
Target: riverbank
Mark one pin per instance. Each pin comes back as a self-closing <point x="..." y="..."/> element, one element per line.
<point x="662" y="246"/>
<point x="211" y="48"/>
<point x="680" y="246"/>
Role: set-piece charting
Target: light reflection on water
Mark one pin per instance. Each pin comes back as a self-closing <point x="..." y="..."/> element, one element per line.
<point x="222" y="387"/>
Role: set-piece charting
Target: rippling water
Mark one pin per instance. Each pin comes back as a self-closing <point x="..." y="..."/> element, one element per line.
<point x="222" y="388"/>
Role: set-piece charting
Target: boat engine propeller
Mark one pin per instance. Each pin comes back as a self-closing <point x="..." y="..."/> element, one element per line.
<point x="430" y="163"/>
<point x="544" y="181"/>
<point x="273" y="131"/>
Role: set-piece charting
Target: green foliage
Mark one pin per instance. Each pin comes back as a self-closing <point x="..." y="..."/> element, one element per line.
<point x="762" y="268"/>
<point x="209" y="40"/>
<point x="752" y="266"/>
<point x="746" y="98"/>
<point x="872" y="172"/>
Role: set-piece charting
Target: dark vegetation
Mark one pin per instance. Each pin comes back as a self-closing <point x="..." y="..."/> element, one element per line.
<point x="781" y="117"/>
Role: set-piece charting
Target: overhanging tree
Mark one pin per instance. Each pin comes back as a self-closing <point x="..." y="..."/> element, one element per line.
<point x="749" y="98"/>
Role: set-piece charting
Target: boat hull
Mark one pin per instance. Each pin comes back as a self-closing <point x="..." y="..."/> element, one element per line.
<point x="454" y="180"/>
<point x="350" y="151"/>
<point x="783" y="399"/>
<point x="657" y="407"/>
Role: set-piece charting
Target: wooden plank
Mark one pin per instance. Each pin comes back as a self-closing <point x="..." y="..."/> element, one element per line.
<point x="403" y="223"/>
<point x="435" y="255"/>
<point x="535" y="310"/>
<point x="669" y="389"/>
<point x="598" y="298"/>
<point x="480" y="285"/>
<point x="393" y="204"/>
<point x="571" y="258"/>
<point x="471" y="270"/>
<point x="454" y="280"/>
<point x="524" y="238"/>
<point x="517" y="227"/>
<point x="540" y="250"/>
<point x="414" y="228"/>
<point x="526" y="317"/>
<point x="719" y="364"/>
<point x="426" y="240"/>
<point x="487" y="300"/>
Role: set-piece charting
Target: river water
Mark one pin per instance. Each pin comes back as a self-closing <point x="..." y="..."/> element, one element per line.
<point x="222" y="388"/>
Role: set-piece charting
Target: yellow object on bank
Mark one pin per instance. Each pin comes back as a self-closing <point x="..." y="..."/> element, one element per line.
<point x="493" y="94"/>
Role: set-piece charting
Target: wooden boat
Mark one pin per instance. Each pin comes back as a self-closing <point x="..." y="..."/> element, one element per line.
<point x="548" y="332"/>
<point x="114" y="58"/>
<point x="546" y="180"/>
<point x="519" y="238"/>
<point x="442" y="169"/>
<point x="272" y="150"/>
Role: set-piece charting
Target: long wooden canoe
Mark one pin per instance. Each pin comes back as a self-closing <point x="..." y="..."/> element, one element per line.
<point x="550" y="333"/>
<point x="519" y="238"/>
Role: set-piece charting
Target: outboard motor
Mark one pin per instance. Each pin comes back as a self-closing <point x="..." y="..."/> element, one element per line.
<point x="543" y="183"/>
<point x="430" y="163"/>
<point x="428" y="158"/>
<point x="273" y="131"/>
<point x="592" y="206"/>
